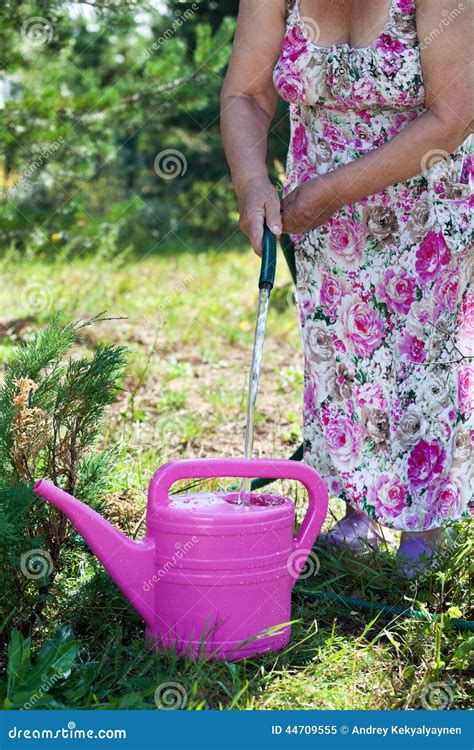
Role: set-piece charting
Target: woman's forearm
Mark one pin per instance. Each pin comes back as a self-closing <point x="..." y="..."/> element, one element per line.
<point x="248" y="104"/>
<point x="398" y="160"/>
<point x="244" y="126"/>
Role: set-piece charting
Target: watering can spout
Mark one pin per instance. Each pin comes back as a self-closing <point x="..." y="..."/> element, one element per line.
<point x="129" y="563"/>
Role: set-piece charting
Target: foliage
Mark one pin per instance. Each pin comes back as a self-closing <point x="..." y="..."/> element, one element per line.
<point x="92" y="102"/>
<point x="50" y="419"/>
<point x="28" y="685"/>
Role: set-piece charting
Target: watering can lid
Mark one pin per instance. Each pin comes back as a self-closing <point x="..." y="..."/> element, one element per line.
<point x="225" y="508"/>
<point x="216" y="501"/>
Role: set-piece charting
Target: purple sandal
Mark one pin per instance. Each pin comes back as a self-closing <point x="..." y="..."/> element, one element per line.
<point x="416" y="556"/>
<point x="355" y="532"/>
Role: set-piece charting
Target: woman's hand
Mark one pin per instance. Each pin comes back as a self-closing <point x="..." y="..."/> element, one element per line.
<point x="308" y="206"/>
<point x="259" y="202"/>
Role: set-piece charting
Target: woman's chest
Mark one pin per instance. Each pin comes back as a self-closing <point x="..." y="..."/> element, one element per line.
<point x="386" y="74"/>
<point x="356" y="23"/>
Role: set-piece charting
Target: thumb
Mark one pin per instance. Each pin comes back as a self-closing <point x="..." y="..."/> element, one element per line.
<point x="273" y="217"/>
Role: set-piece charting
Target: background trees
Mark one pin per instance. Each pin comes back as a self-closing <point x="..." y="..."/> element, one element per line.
<point x="110" y="124"/>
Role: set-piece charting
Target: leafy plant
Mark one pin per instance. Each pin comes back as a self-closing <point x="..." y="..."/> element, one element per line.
<point x="29" y="685"/>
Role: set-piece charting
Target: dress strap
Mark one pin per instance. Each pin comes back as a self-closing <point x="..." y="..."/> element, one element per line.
<point x="402" y="21"/>
<point x="401" y="6"/>
<point x="404" y="7"/>
<point x="292" y="6"/>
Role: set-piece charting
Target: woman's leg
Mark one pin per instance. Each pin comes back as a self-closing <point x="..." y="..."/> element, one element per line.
<point x="432" y="536"/>
<point x="417" y="551"/>
<point x="355" y="531"/>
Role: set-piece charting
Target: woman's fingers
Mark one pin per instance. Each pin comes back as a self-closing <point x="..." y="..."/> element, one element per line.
<point x="273" y="216"/>
<point x="287" y="211"/>
<point x="259" y="202"/>
<point x="256" y="232"/>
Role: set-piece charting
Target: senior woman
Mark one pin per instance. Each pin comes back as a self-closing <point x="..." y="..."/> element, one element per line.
<point x="376" y="200"/>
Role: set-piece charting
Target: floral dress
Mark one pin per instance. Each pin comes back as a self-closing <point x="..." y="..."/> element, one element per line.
<point x="383" y="287"/>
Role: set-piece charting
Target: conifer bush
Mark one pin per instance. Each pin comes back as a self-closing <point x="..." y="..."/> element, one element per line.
<point x="52" y="404"/>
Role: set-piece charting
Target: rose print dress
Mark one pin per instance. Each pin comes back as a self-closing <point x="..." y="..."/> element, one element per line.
<point x="384" y="298"/>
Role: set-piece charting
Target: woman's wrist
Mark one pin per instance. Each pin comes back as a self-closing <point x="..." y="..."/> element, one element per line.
<point x="241" y="183"/>
<point x="325" y="193"/>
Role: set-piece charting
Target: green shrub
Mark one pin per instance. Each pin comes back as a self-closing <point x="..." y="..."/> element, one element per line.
<point x="51" y="407"/>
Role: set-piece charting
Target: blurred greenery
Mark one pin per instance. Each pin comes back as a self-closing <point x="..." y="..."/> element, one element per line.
<point x="110" y="122"/>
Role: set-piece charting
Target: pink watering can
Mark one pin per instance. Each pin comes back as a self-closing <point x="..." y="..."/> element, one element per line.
<point x="213" y="576"/>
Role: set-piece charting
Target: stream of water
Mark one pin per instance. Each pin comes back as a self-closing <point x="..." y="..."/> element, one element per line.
<point x="263" y="299"/>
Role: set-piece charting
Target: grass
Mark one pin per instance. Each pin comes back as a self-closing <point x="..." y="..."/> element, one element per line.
<point x="188" y="320"/>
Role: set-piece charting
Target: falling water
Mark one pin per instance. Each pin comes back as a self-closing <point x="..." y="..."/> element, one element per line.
<point x="263" y="299"/>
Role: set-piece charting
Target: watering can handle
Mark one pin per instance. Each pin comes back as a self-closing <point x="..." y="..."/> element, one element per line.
<point x="209" y="468"/>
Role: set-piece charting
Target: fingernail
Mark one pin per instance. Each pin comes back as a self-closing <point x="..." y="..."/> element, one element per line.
<point x="276" y="229"/>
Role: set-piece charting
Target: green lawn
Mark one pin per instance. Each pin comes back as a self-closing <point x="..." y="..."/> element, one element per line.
<point x="188" y="319"/>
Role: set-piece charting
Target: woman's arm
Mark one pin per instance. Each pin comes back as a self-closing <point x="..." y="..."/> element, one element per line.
<point x="443" y="126"/>
<point x="248" y="104"/>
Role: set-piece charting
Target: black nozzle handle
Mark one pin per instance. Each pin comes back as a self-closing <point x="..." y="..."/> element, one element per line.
<point x="269" y="258"/>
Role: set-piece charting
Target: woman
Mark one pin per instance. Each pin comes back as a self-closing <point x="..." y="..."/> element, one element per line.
<point x="376" y="201"/>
